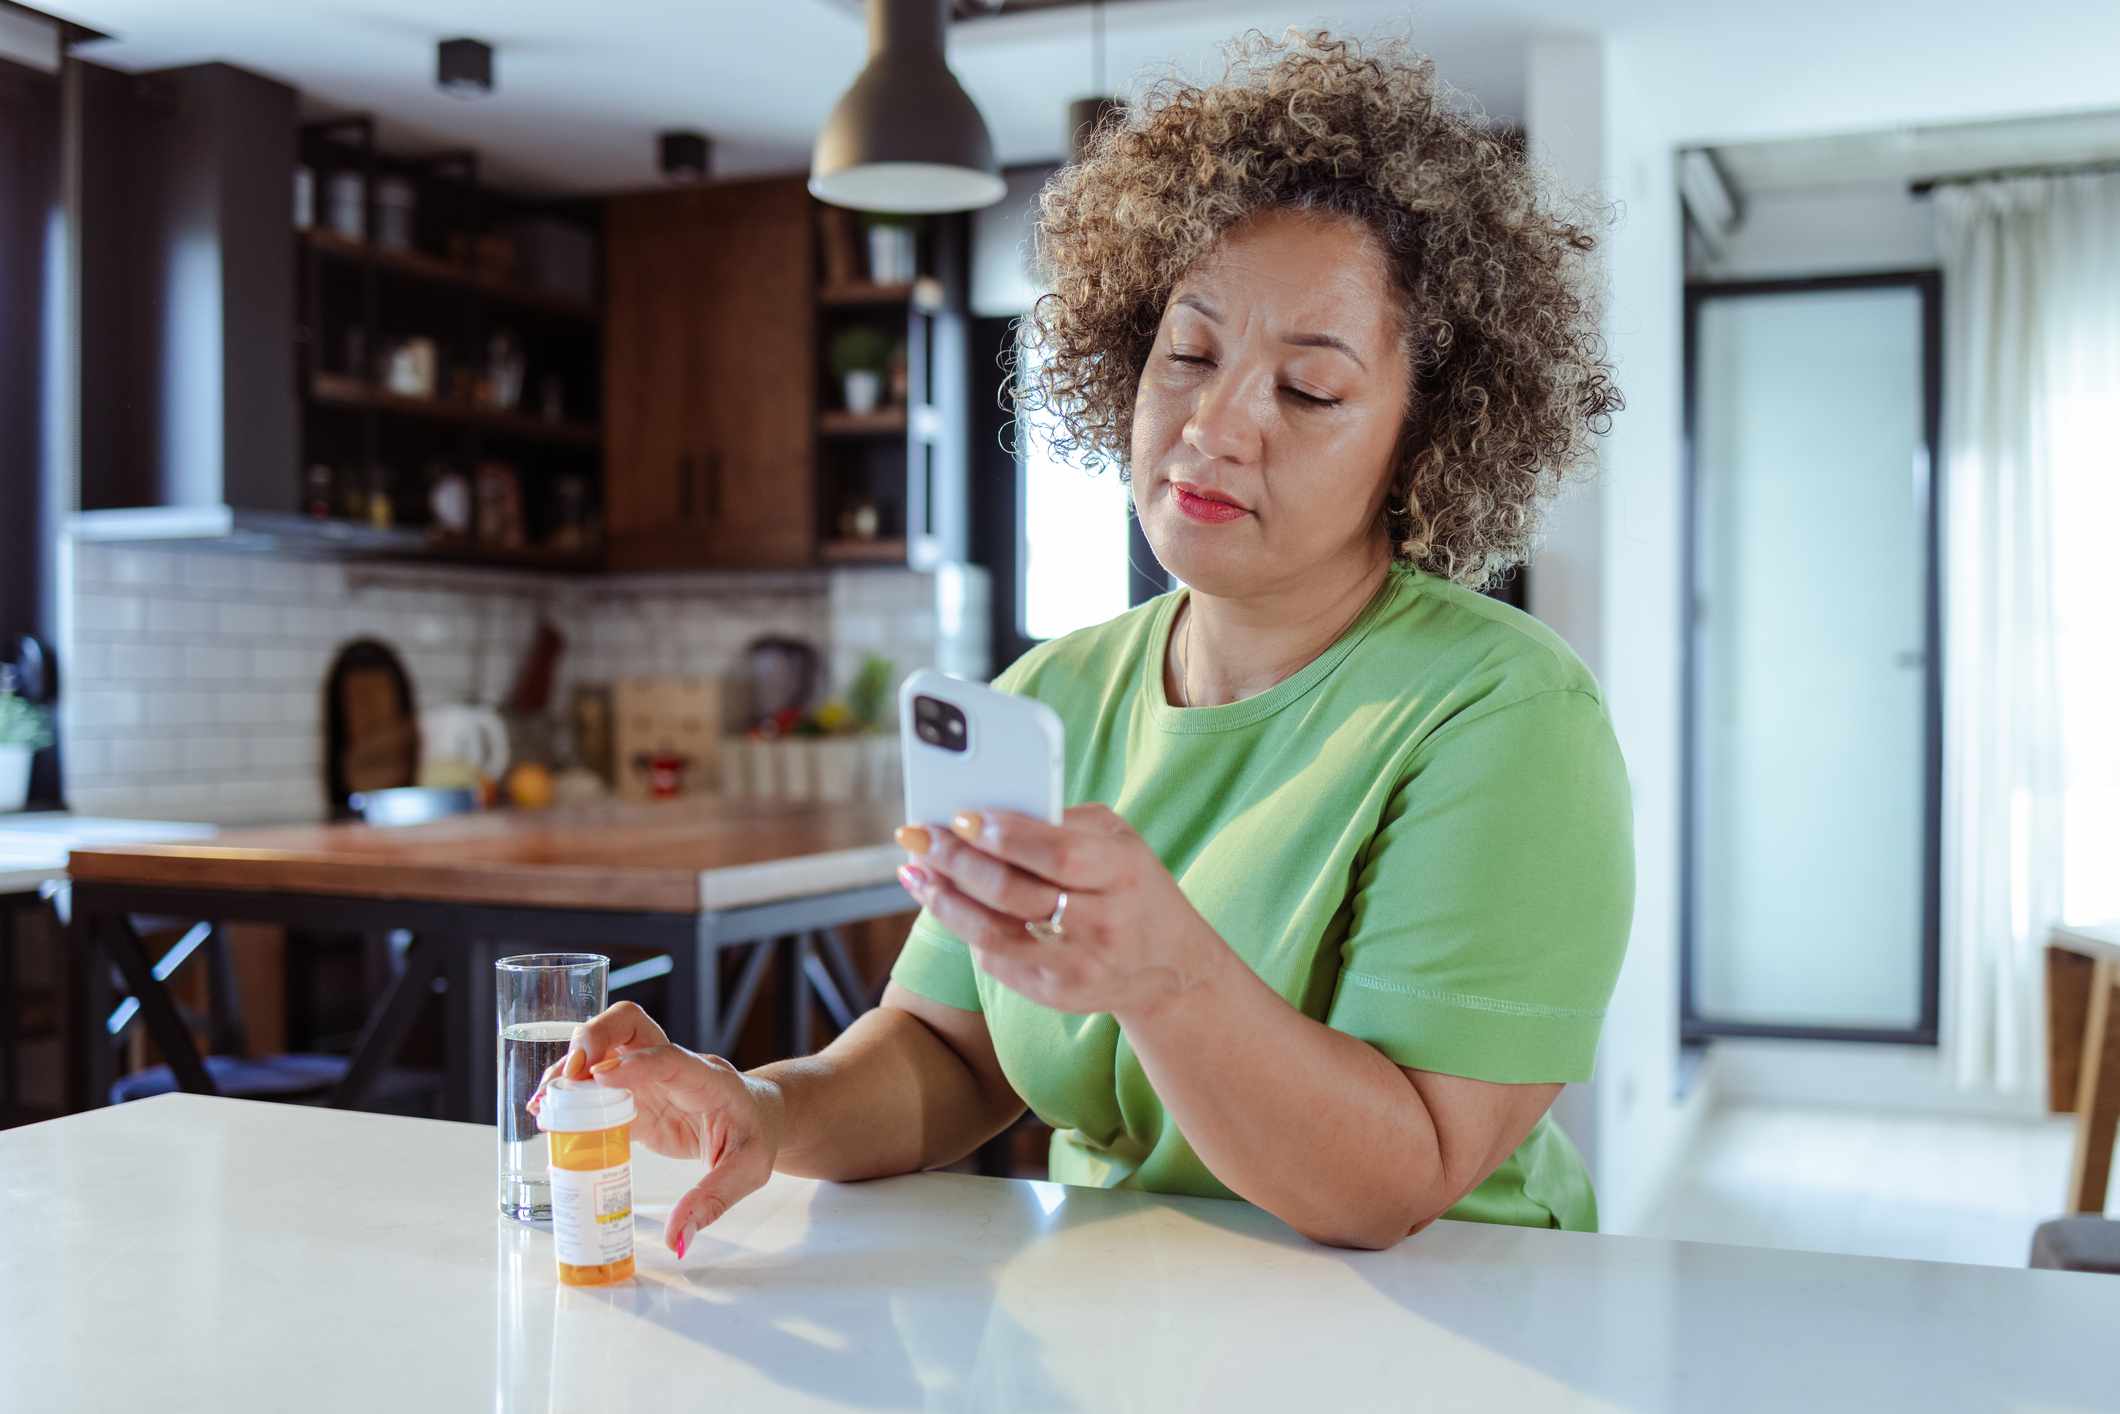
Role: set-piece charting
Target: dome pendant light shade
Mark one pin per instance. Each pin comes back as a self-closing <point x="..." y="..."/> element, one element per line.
<point x="906" y="137"/>
<point x="1084" y="117"/>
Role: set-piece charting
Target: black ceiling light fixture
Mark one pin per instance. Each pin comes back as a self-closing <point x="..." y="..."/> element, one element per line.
<point x="1085" y="115"/>
<point x="684" y="155"/>
<point x="464" y="68"/>
<point x="906" y="137"/>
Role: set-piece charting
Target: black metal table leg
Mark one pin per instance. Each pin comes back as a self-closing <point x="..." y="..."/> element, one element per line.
<point x="744" y="996"/>
<point x="701" y="999"/>
<point x="90" y="1067"/>
<point x="385" y="1032"/>
<point x="156" y="1009"/>
<point x="837" y="1006"/>
<point x="10" y="1017"/>
<point x="456" y="1040"/>
<point x="794" y="996"/>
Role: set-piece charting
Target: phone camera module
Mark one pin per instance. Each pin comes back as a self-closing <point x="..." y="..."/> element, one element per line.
<point x="938" y="723"/>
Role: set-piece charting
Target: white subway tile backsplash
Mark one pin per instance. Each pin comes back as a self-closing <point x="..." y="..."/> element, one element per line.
<point x="105" y="707"/>
<point x="253" y="619"/>
<point x="217" y="660"/>
<point x="181" y="708"/>
<point x="132" y="660"/>
<point x="167" y="615"/>
<point x="305" y="664"/>
<point x="144" y="756"/>
<point x="286" y="753"/>
<point x="214" y="755"/>
<point x="313" y="623"/>
<point x="109" y="613"/>
<point x="215" y="572"/>
<point x="246" y="707"/>
<point x="196" y="679"/>
<point x="146" y="569"/>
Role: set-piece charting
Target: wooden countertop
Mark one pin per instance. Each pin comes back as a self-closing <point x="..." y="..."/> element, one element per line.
<point x="664" y="857"/>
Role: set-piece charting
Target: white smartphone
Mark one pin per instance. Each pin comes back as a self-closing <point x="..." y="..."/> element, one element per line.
<point x="970" y="748"/>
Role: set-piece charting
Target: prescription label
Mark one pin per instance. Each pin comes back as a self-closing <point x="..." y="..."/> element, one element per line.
<point x="592" y="1215"/>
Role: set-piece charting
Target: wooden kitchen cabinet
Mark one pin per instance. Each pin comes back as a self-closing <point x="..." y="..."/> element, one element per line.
<point x="709" y="378"/>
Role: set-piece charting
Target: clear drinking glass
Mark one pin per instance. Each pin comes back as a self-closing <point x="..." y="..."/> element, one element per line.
<point x="539" y="999"/>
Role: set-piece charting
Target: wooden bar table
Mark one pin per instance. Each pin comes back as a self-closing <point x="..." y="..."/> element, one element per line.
<point x="2098" y="1067"/>
<point x="188" y="1253"/>
<point x="692" y="879"/>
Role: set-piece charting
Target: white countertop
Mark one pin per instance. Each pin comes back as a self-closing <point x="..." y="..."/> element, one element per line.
<point x="34" y="844"/>
<point x="190" y="1253"/>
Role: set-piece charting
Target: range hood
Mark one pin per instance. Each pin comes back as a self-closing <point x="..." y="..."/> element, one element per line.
<point x="189" y="425"/>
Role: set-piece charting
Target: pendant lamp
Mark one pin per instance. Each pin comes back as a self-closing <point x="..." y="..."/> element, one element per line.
<point x="1084" y="114"/>
<point x="906" y="137"/>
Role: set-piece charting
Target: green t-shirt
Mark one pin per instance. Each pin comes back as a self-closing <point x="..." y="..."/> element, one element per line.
<point x="1422" y="839"/>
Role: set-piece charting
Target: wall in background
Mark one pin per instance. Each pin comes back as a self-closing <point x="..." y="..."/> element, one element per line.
<point x="194" y="685"/>
<point x="1835" y="230"/>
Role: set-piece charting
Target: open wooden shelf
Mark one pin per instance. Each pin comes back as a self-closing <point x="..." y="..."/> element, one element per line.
<point x="421" y="266"/>
<point x="862" y="552"/>
<point x="337" y="390"/>
<point x="924" y="292"/>
<point x="883" y="422"/>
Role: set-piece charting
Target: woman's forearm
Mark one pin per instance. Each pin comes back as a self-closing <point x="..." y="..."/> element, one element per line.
<point x="887" y="1096"/>
<point x="1314" y="1126"/>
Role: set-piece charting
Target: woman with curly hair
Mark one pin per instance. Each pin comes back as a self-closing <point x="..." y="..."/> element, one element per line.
<point x="1355" y="877"/>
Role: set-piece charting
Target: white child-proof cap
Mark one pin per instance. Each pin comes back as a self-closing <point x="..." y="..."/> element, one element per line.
<point x="583" y="1106"/>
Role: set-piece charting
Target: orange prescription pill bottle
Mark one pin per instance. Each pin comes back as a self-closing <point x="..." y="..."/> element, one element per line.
<point x="592" y="1180"/>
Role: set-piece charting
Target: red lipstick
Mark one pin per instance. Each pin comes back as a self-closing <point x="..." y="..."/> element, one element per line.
<point x="1208" y="507"/>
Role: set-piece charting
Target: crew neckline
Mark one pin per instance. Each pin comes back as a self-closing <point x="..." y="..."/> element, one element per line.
<point x="1228" y="716"/>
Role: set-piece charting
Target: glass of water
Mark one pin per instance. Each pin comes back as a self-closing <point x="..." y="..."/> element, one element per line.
<point x="539" y="998"/>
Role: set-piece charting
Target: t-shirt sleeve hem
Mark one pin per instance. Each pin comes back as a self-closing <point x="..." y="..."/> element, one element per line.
<point x="939" y="968"/>
<point x="1477" y="1038"/>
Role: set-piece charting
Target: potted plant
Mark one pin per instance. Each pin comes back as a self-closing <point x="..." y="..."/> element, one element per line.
<point x="859" y="355"/>
<point x="25" y="730"/>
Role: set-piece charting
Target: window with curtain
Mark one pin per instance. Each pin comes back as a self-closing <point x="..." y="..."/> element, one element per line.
<point x="2032" y="652"/>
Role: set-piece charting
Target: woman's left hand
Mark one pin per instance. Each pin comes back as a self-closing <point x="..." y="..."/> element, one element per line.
<point x="1129" y="939"/>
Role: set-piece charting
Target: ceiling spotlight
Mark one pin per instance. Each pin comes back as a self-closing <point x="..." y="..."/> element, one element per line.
<point x="464" y="68"/>
<point x="684" y="155"/>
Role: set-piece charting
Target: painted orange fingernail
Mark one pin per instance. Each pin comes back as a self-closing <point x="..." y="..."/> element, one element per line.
<point x="603" y="1065"/>
<point x="968" y="825"/>
<point x="913" y="839"/>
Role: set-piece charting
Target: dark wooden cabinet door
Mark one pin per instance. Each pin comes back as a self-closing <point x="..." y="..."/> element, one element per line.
<point x="709" y="376"/>
<point x="652" y="388"/>
<point x="757" y="329"/>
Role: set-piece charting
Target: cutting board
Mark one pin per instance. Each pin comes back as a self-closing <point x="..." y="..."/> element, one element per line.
<point x="675" y="713"/>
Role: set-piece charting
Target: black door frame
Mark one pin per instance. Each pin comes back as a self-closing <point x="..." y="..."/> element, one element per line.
<point x="1693" y="1026"/>
<point x="997" y="480"/>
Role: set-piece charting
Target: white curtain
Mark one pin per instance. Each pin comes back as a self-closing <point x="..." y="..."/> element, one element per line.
<point x="2031" y="781"/>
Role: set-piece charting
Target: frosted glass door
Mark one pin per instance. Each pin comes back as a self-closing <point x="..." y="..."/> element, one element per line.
<point x="1810" y="895"/>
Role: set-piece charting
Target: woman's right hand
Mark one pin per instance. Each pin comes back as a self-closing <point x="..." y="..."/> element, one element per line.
<point x="688" y="1106"/>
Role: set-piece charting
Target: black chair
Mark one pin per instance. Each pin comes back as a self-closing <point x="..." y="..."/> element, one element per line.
<point x="2083" y="1243"/>
<point x="299" y="1078"/>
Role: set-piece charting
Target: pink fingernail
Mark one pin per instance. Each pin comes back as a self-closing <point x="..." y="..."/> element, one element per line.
<point x="684" y="1240"/>
<point x="913" y="877"/>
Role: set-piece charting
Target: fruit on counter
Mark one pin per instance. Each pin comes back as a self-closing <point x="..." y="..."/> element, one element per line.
<point x="576" y="786"/>
<point x="448" y="773"/>
<point x="529" y="786"/>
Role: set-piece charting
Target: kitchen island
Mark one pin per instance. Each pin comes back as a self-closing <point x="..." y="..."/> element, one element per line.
<point x="691" y="879"/>
<point x="321" y="1260"/>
